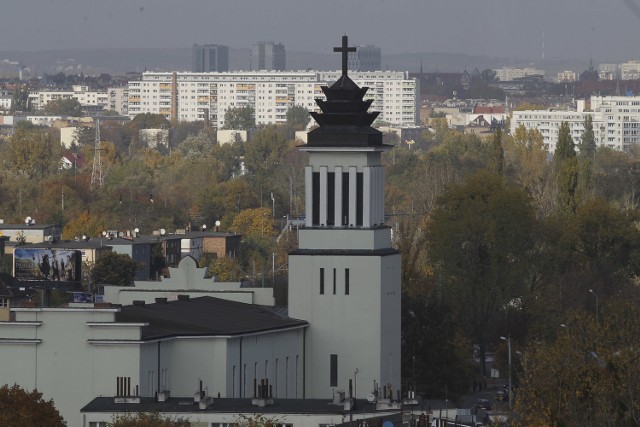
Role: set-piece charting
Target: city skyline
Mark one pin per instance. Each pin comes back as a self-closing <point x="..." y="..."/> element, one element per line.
<point x="604" y="30"/>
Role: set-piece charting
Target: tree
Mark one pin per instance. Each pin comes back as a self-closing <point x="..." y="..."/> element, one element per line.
<point x="226" y="269"/>
<point x="239" y="118"/>
<point x="265" y="152"/>
<point x="150" y="121"/>
<point x="496" y="161"/>
<point x="145" y="419"/>
<point x="20" y="101"/>
<point x="33" y="153"/>
<point x="586" y="158"/>
<point x="566" y="165"/>
<point x="113" y="269"/>
<point x="588" y="374"/>
<point x="63" y="107"/>
<point x="298" y="117"/>
<point x="478" y="240"/>
<point x="19" y="408"/>
<point x="254" y="222"/>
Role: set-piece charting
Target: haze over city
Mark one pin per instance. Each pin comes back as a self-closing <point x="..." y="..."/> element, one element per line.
<point x="606" y="30"/>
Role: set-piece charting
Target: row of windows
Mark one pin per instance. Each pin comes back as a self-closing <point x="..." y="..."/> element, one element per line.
<point x="335" y="283"/>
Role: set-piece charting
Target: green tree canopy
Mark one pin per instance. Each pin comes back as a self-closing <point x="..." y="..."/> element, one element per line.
<point x="298" y="117"/>
<point x="113" y="269"/>
<point x="265" y="151"/>
<point x="240" y="118"/>
<point x="64" y="107"/>
<point x="151" y="121"/>
<point x="20" y="408"/>
<point x="478" y="240"/>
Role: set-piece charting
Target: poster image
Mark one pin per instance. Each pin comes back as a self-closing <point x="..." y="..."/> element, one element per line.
<point x="57" y="265"/>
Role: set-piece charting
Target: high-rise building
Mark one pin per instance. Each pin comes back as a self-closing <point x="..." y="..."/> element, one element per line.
<point x="268" y="56"/>
<point x="210" y="58"/>
<point x="366" y="58"/>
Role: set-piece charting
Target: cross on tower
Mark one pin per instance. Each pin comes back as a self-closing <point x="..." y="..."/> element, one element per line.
<point x="345" y="49"/>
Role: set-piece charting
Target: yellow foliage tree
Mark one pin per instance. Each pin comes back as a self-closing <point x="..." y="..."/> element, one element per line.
<point x="254" y="222"/>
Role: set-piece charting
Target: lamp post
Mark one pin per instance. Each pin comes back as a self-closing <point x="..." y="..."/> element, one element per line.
<point x="508" y="340"/>
<point x="595" y="295"/>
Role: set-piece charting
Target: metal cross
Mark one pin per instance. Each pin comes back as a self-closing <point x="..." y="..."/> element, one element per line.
<point x="345" y="49"/>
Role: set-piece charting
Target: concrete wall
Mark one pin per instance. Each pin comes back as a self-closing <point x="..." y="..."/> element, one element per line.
<point x="58" y="351"/>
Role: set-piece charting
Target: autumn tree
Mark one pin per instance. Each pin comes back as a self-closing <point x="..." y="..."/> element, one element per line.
<point x="496" y="161"/>
<point x="566" y="166"/>
<point x="147" y="419"/>
<point x="33" y="152"/>
<point x="240" y="118"/>
<point x="113" y="269"/>
<point x="254" y="222"/>
<point x="478" y="239"/>
<point x="265" y="151"/>
<point x="226" y="269"/>
<point x="84" y="224"/>
<point x="587" y="154"/>
<point x="63" y="107"/>
<point x="20" y="408"/>
<point x="588" y="374"/>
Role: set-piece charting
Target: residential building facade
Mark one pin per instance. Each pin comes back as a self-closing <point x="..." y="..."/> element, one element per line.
<point x="39" y="99"/>
<point x="506" y="74"/>
<point x="271" y="94"/>
<point x="616" y="122"/>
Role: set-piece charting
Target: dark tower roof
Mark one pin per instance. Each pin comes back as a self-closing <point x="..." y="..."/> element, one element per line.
<point x="344" y="121"/>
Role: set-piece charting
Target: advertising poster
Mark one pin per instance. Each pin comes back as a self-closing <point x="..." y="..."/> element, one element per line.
<point x="57" y="265"/>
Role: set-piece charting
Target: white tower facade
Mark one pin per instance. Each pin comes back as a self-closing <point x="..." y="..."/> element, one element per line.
<point x="345" y="277"/>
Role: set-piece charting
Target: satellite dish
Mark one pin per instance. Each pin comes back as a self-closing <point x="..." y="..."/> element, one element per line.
<point x="104" y="233"/>
<point x="121" y="234"/>
<point x="217" y="223"/>
<point x="371" y="398"/>
<point x="204" y="227"/>
<point x="27" y="220"/>
<point x="137" y="230"/>
<point x="84" y="237"/>
<point x="163" y="231"/>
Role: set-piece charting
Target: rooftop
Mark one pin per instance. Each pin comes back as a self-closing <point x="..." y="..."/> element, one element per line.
<point x="205" y="316"/>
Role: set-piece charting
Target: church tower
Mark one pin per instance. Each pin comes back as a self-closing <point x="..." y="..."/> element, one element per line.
<point x="345" y="277"/>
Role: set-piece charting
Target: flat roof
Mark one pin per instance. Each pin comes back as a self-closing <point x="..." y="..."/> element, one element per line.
<point x="228" y="405"/>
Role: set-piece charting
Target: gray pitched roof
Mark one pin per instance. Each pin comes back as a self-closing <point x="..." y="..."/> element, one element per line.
<point x="204" y="316"/>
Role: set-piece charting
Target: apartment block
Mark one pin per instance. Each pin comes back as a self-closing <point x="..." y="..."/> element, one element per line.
<point x="616" y="122"/>
<point x="271" y="94"/>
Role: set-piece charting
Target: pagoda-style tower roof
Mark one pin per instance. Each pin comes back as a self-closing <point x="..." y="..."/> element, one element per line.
<point x="345" y="120"/>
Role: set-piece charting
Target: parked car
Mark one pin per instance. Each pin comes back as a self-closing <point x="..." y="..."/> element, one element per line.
<point x="483" y="404"/>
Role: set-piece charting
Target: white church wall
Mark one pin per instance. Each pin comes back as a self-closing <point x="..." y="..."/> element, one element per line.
<point x="346" y="238"/>
<point x="65" y="365"/>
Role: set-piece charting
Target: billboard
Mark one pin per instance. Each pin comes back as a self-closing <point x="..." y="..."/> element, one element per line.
<point x="57" y="265"/>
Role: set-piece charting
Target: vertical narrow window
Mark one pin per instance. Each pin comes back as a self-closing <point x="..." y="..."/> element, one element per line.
<point x="333" y="370"/>
<point x="297" y="357"/>
<point x="346" y="281"/>
<point x="334" y="281"/>
<point x="286" y="377"/>
<point x="345" y="199"/>
<point x="275" y="378"/>
<point x="359" y="198"/>
<point x="233" y="382"/>
<point x="266" y="369"/>
<point x="322" y="281"/>
<point x="331" y="198"/>
<point x="315" y="194"/>
<point x="244" y="380"/>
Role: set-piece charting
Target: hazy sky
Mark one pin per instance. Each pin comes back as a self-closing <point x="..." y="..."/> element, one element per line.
<point x="605" y="29"/>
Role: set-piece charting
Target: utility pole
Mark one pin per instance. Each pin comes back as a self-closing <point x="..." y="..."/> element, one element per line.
<point x="96" y="174"/>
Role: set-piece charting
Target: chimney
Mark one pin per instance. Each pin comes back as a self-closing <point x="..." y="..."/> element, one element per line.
<point x="263" y="397"/>
<point x="161" y="300"/>
<point x="183" y="297"/>
<point x="138" y="302"/>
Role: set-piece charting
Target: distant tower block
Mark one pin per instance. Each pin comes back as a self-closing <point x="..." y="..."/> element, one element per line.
<point x="97" y="179"/>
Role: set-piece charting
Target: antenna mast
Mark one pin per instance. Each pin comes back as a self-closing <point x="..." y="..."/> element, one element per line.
<point x="96" y="174"/>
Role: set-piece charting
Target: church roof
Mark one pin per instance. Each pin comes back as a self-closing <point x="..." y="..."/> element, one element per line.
<point x="204" y="316"/>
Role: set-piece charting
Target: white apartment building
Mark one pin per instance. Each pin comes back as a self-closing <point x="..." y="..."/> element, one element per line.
<point x="271" y="94"/>
<point x="616" y="122"/>
<point x="119" y="100"/>
<point x="5" y="102"/>
<point x="608" y="71"/>
<point x="630" y="70"/>
<point x="38" y="99"/>
<point x="506" y="74"/>
<point x="567" y="76"/>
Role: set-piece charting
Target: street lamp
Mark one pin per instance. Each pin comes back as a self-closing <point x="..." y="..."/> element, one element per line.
<point x="595" y="295"/>
<point x="508" y="340"/>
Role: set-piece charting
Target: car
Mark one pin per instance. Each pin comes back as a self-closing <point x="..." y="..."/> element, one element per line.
<point x="483" y="404"/>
